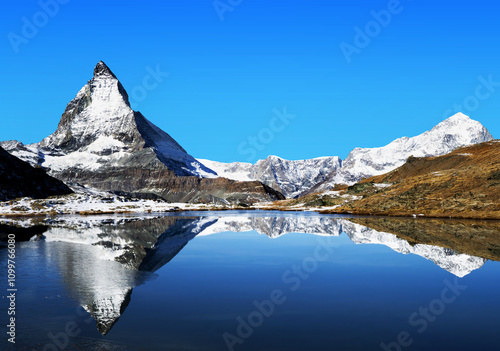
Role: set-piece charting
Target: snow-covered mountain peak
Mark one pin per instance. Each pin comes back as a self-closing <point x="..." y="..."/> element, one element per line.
<point x="456" y="118"/>
<point x="101" y="69"/>
<point x="99" y="131"/>
<point x="454" y="132"/>
<point x="100" y="109"/>
<point x="461" y="125"/>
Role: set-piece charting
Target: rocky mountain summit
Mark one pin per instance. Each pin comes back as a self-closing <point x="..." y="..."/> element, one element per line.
<point x="291" y="178"/>
<point x="457" y="131"/>
<point x="299" y="178"/>
<point x="102" y="143"/>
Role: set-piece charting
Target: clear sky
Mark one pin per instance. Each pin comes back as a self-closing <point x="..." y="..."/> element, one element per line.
<point x="349" y="73"/>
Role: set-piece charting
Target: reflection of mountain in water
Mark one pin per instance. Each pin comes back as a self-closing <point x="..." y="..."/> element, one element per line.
<point x="275" y="226"/>
<point x="454" y="262"/>
<point x="101" y="264"/>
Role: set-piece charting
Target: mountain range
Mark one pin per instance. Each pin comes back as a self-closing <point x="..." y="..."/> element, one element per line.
<point x="299" y="178"/>
<point x="102" y="143"/>
<point x="291" y="178"/>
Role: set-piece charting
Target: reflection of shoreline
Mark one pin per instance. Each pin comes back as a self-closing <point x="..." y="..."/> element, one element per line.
<point x="101" y="263"/>
<point x="454" y="262"/>
<point x="476" y="238"/>
<point x="459" y="264"/>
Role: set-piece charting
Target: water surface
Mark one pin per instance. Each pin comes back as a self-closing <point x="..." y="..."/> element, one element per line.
<point x="258" y="281"/>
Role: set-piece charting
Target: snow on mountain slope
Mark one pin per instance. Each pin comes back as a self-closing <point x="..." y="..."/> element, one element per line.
<point x="241" y="171"/>
<point x="289" y="177"/>
<point x="456" y="131"/>
<point x="296" y="178"/>
<point x="99" y="130"/>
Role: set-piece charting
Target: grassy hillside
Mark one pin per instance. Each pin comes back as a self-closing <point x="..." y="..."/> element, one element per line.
<point x="462" y="184"/>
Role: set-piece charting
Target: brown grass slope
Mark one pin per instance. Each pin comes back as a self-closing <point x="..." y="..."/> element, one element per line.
<point x="462" y="184"/>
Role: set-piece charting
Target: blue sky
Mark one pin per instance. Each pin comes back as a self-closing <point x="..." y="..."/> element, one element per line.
<point x="233" y="71"/>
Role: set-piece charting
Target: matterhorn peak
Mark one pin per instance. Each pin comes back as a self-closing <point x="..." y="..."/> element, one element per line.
<point x="99" y="130"/>
<point x="101" y="69"/>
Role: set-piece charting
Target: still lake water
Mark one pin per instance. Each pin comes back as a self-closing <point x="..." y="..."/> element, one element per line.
<point x="256" y="281"/>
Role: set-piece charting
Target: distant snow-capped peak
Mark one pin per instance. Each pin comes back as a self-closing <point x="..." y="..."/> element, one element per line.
<point x="295" y="178"/>
<point x="287" y="176"/>
<point x="457" y="131"/>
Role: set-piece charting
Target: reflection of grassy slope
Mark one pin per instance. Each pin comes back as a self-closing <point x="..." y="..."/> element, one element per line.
<point x="476" y="238"/>
<point x="462" y="184"/>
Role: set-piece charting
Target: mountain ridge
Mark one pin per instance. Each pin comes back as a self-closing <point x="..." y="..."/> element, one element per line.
<point x="102" y="143"/>
<point x="290" y="177"/>
<point x="456" y="131"/>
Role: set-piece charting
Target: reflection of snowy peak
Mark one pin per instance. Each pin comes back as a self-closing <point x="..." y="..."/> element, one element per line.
<point x="148" y="247"/>
<point x="112" y="260"/>
<point x="102" y="287"/>
<point x="288" y="177"/>
<point x="455" y="263"/>
<point x="273" y="226"/>
<point x="102" y="261"/>
<point x="456" y="131"/>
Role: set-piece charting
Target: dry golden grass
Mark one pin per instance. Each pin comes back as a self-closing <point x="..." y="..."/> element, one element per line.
<point x="462" y="184"/>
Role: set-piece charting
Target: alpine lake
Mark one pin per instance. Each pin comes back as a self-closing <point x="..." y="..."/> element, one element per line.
<point x="255" y="280"/>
